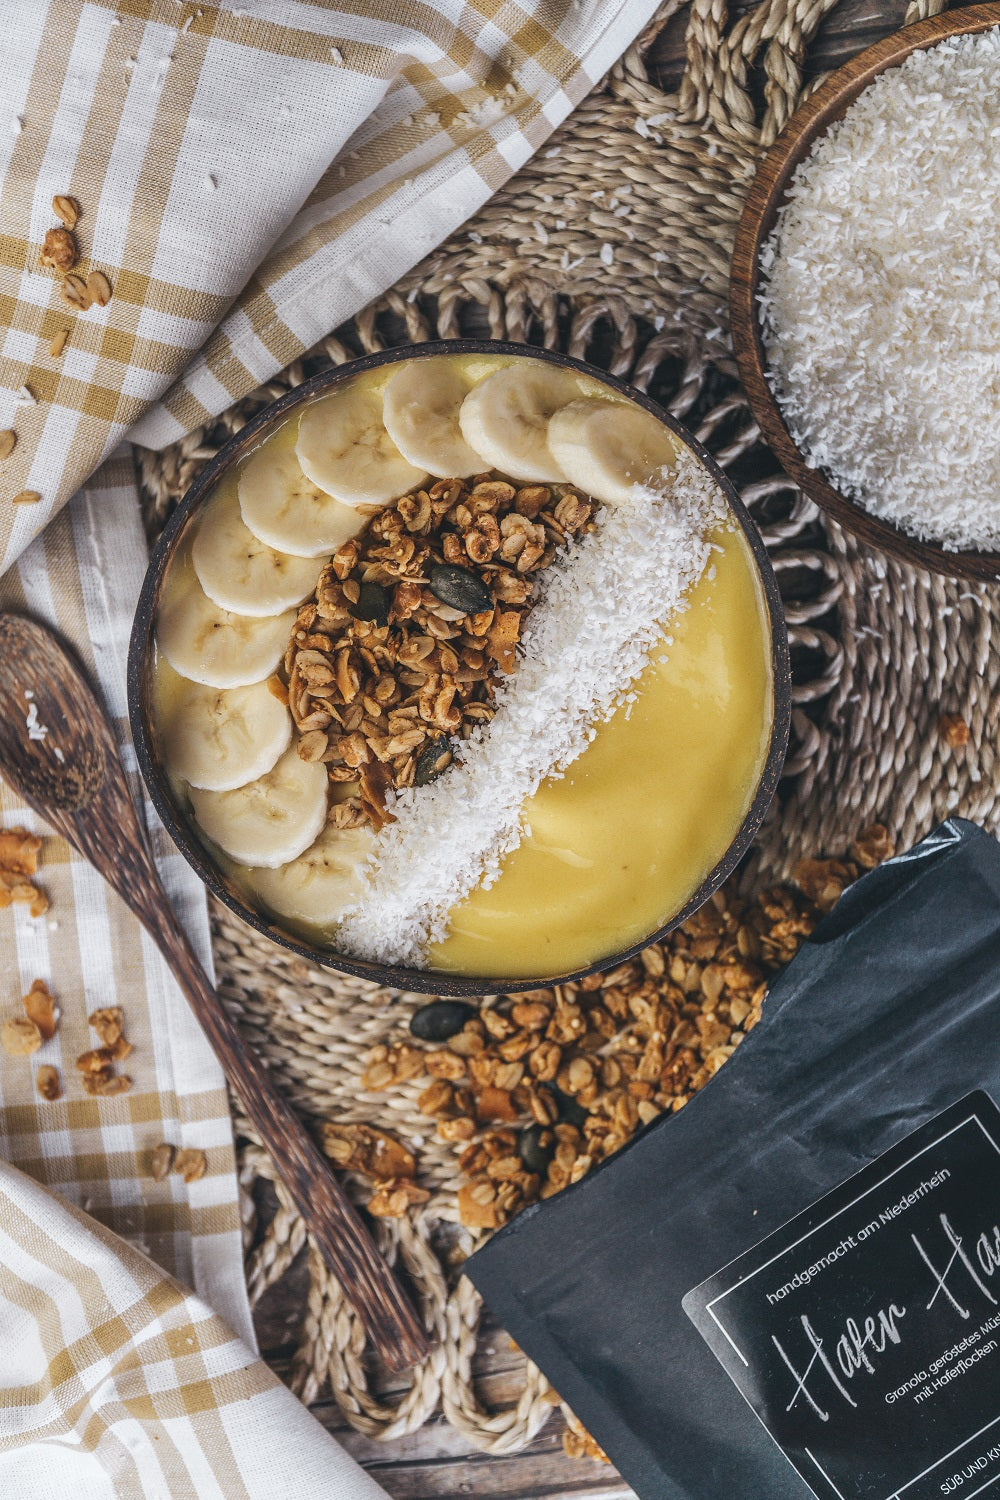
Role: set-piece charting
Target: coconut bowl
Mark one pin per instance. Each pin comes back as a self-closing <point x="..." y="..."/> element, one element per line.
<point x="176" y="819"/>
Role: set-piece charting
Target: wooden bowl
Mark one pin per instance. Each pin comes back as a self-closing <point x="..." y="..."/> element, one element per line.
<point x="827" y="105"/>
<point x="176" y="820"/>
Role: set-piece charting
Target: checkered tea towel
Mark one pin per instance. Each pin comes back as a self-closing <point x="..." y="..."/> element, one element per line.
<point x="245" y="179"/>
<point x="117" y="1384"/>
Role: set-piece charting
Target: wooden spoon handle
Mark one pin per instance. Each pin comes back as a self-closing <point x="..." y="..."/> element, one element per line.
<point x="346" y="1246"/>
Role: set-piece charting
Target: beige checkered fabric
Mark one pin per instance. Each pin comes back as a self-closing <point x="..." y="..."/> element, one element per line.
<point x="119" y="1385"/>
<point x="83" y="577"/>
<point x="248" y="177"/>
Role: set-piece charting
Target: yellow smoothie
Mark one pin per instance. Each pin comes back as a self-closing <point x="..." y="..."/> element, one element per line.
<point x="620" y="843"/>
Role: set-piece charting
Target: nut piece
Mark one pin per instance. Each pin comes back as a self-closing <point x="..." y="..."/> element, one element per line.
<point x="20" y="1037"/>
<point x="108" y="1024"/>
<point x="19" y="851"/>
<point x="99" y="288"/>
<point x="40" y="1007"/>
<point x="190" y="1164"/>
<point x="954" y="730"/>
<point x="161" y="1161"/>
<point x="58" y="344"/>
<point x="66" y="209"/>
<point x="106" y="1084"/>
<point x="8" y="442"/>
<point x="48" y="1083"/>
<point x="74" y="293"/>
<point x="97" y="1060"/>
<point x="26" y="497"/>
<point x="58" y="250"/>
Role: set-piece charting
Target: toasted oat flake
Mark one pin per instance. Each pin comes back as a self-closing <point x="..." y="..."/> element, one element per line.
<point x="73" y="291"/>
<point x="8" y="442"/>
<point x="99" y="288"/>
<point x="578" y="662"/>
<point x="26" y="497"/>
<point x="58" y="344"/>
<point x="66" y="209"/>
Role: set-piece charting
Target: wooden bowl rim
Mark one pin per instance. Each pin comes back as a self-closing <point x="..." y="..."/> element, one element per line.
<point x="140" y="661"/>
<point x="827" y="105"/>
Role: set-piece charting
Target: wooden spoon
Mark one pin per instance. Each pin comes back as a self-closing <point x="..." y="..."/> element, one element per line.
<point x="73" y="777"/>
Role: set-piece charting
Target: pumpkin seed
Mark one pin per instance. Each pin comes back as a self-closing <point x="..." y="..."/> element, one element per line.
<point x="460" y="589"/>
<point x="432" y="760"/>
<point x="440" y="1020"/>
<point x="536" y="1147"/>
<point x="570" y="1111"/>
<point x="372" y="604"/>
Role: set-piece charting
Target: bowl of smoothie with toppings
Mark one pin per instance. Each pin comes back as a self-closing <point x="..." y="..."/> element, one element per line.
<point x="461" y="668"/>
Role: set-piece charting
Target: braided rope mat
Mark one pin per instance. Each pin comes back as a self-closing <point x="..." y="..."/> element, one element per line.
<point x="633" y="276"/>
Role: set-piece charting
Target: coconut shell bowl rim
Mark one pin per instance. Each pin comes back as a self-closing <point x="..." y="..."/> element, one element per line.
<point x="765" y="198"/>
<point x="141" y="660"/>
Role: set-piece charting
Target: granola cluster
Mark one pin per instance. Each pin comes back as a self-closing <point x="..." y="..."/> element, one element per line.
<point x="538" y="1087"/>
<point x="397" y="656"/>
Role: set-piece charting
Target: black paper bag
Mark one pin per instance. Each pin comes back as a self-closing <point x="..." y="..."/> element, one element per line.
<point x="859" y="1120"/>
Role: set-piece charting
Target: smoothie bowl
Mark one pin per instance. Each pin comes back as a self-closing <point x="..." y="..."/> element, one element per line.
<point x="461" y="668"/>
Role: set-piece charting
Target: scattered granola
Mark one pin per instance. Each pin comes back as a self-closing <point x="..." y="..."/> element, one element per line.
<point x="362" y="1148"/>
<point x="538" y="1087"/>
<point x="161" y="1161"/>
<point x="396" y="657"/>
<point x="48" y="1083"/>
<point x="19" y="851"/>
<point x="954" y="730"/>
<point x="97" y="1064"/>
<point x="40" y="1007"/>
<point x="190" y="1163"/>
<point x="58" y="250"/>
<point x="391" y="1199"/>
<point x="20" y="1037"/>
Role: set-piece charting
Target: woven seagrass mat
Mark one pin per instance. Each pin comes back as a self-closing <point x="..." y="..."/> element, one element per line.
<point x="613" y="244"/>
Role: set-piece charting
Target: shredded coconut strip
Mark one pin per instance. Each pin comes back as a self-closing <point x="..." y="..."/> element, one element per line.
<point x="599" y="614"/>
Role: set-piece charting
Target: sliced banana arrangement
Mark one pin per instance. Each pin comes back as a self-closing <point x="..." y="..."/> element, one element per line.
<point x="229" y="599"/>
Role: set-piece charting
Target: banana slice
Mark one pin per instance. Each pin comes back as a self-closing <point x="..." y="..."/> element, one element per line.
<point x="319" y="885"/>
<point x="344" y="448"/>
<point x="221" y="738"/>
<point x="284" y="509"/>
<point x="210" y="645"/>
<point x="609" y="447"/>
<point x="271" y="820"/>
<point x="420" y="411"/>
<point x="505" y="418"/>
<point x="241" y="573"/>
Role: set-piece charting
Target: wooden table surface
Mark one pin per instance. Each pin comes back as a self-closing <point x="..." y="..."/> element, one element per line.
<point x="436" y="1461"/>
